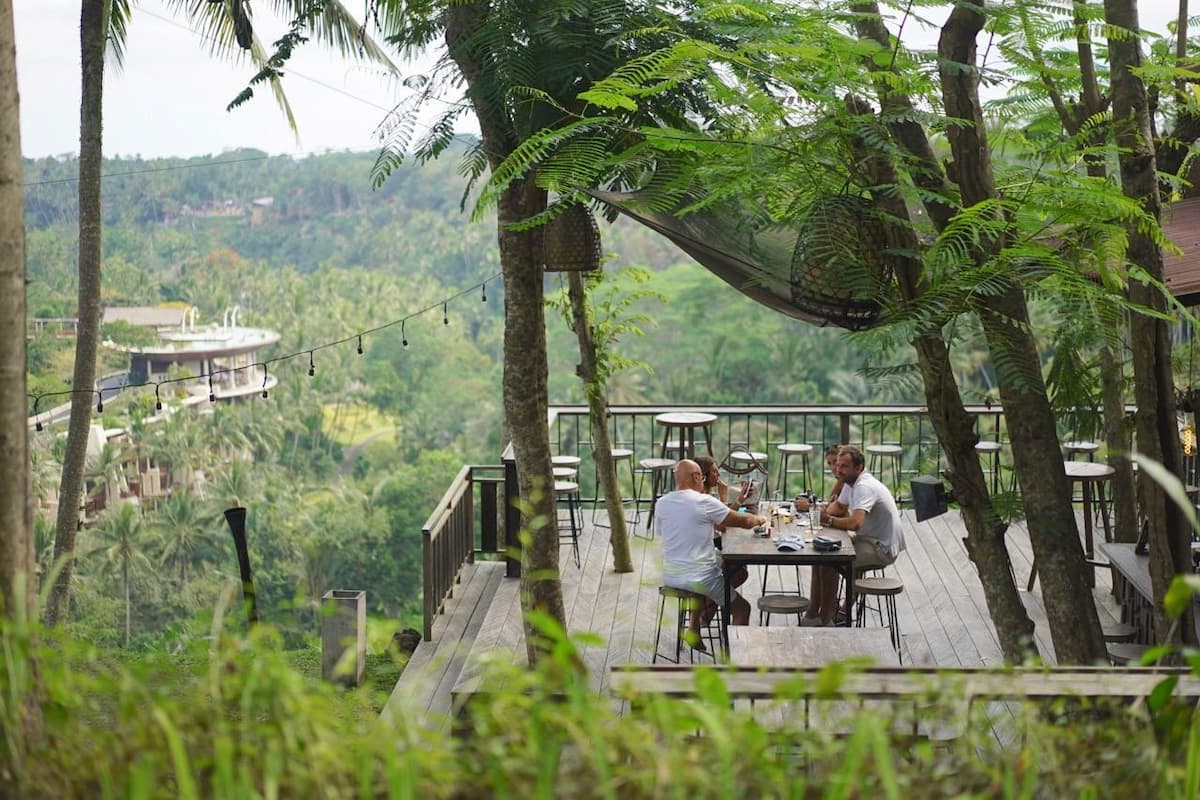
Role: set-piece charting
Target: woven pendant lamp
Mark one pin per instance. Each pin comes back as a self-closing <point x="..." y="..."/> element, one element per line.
<point x="572" y="241"/>
<point x="839" y="270"/>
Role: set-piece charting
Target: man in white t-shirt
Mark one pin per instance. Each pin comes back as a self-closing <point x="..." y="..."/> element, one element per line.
<point x="868" y="511"/>
<point x="686" y="519"/>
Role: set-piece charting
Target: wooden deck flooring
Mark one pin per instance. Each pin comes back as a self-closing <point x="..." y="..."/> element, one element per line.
<point x="943" y="615"/>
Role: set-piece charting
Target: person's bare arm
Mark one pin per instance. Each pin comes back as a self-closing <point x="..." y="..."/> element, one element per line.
<point x="837" y="509"/>
<point x="851" y="522"/>
<point x="740" y="519"/>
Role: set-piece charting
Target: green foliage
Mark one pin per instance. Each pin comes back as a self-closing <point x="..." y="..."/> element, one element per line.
<point x="227" y="714"/>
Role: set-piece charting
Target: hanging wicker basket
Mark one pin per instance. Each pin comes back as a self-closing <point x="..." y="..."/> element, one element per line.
<point x="839" y="271"/>
<point x="572" y="241"/>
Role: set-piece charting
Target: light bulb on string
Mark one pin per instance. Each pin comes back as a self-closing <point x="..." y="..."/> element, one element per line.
<point x="312" y="369"/>
<point x="37" y="424"/>
<point x="483" y="292"/>
<point x="212" y="395"/>
<point x="264" y="366"/>
<point x="403" y="336"/>
<point x="157" y="398"/>
<point x="445" y="315"/>
<point x="99" y="402"/>
<point x="360" y="350"/>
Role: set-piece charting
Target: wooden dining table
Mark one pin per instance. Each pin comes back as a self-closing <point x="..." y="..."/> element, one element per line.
<point x="741" y="547"/>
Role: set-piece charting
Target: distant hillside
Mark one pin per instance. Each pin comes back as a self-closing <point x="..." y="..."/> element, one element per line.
<point x="285" y="211"/>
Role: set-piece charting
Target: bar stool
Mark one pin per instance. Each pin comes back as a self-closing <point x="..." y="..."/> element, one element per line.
<point x="886" y="590"/>
<point x="563" y="473"/>
<point x="619" y="455"/>
<point x="1118" y="632"/>
<point x="658" y="469"/>
<point x="801" y="451"/>
<point x="783" y="600"/>
<point x="1122" y="654"/>
<point x="686" y="601"/>
<point x="880" y="456"/>
<point x="984" y="449"/>
<point x="1072" y="449"/>
<point x="569" y="491"/>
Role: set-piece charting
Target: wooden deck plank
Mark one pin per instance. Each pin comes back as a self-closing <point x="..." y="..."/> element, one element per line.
<point x="943" y="614"/>
<point x="428" y="674"/>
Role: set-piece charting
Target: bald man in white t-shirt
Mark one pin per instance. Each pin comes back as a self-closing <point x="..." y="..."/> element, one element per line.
<point x="686" y="519"/>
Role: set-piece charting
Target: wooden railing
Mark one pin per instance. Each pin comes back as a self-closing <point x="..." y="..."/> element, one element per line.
<point x="449" y="536"/>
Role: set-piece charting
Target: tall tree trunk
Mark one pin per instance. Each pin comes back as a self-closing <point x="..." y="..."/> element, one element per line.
<point x="92" y="29"/>
<point x="1037" y="459"/>
<point x="1157" y="436"/>
<point x="125" y="584"/>
<point x="954" y="426"/>
<point x="525" y="368"/>
<point x="1116" y="440"/>
<point x="17" y="585"/>
<point x="606" y="468"/>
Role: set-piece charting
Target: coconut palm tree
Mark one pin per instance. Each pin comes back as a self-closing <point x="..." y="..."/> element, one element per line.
<point x="107" y="21"/>
<point x="186" y="525"/>
<point x="119" y="538"/>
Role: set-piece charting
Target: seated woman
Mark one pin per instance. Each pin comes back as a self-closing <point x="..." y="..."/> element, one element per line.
<point x="831" y="454"/>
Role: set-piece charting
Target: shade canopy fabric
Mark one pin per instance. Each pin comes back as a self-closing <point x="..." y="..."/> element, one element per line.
<point x="829" y="270"/>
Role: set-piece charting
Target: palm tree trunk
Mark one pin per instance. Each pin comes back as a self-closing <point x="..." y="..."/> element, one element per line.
<point x="525" y="368"/>
<point x="92" y="28"/>
<point x="17" y="585"/>
<point x="606" y="469"/>
<point x="125" y="584"/>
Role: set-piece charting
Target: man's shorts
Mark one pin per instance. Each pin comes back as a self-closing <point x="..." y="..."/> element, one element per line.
<point x="870" y="554"/>
<point x="711" y="584"/>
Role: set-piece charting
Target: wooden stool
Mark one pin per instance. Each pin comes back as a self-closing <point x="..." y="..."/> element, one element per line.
<point x="563" y="473"/>
<point x="1122" y="654"/>
<point x="801" y="451"/>
<point x="886" y="589"/>
<point x="743" y="462"/>
<point x="659" y="470"/>
<point x="1072" y="449"/>
<point x="686" y="423"/>
<point x="565" y="461"/>
<point x="569" y="490"/>
<point x="1118" y="632"/>
<point x="686" y="601"/>
<point x="880" y="456"/>
<point x="619" y="454"/>
<point x="770" y="604"/>
<point x="985" y="449"/>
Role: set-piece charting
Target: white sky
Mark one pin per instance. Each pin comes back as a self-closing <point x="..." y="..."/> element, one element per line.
<point x="170" y="99"/>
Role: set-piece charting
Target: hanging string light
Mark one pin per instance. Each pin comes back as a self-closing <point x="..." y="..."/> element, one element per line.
<point x="1187" y="438"/>
<point x="37" y="417"/>
<point x="212" y="395"/>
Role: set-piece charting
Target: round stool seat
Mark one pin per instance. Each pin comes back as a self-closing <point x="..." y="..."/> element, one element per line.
<point x="565" y="461"/>
<point x="879" y="586"/>
<point x="987" y="447"/>
<point x="620" y="454"/>
<point x="656" y="463"/>
<point x="885" y="449"/>
<point x="1080" y="447"/>
<point x="564" y="472"/>
<point x="1122" y="654"/>
<point x="795" y="449"/>
<point x="782" y="604"/>
<point x="566" y="487"/>
<point x="745" y="457"/>
<point x="1118" y="632"/>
